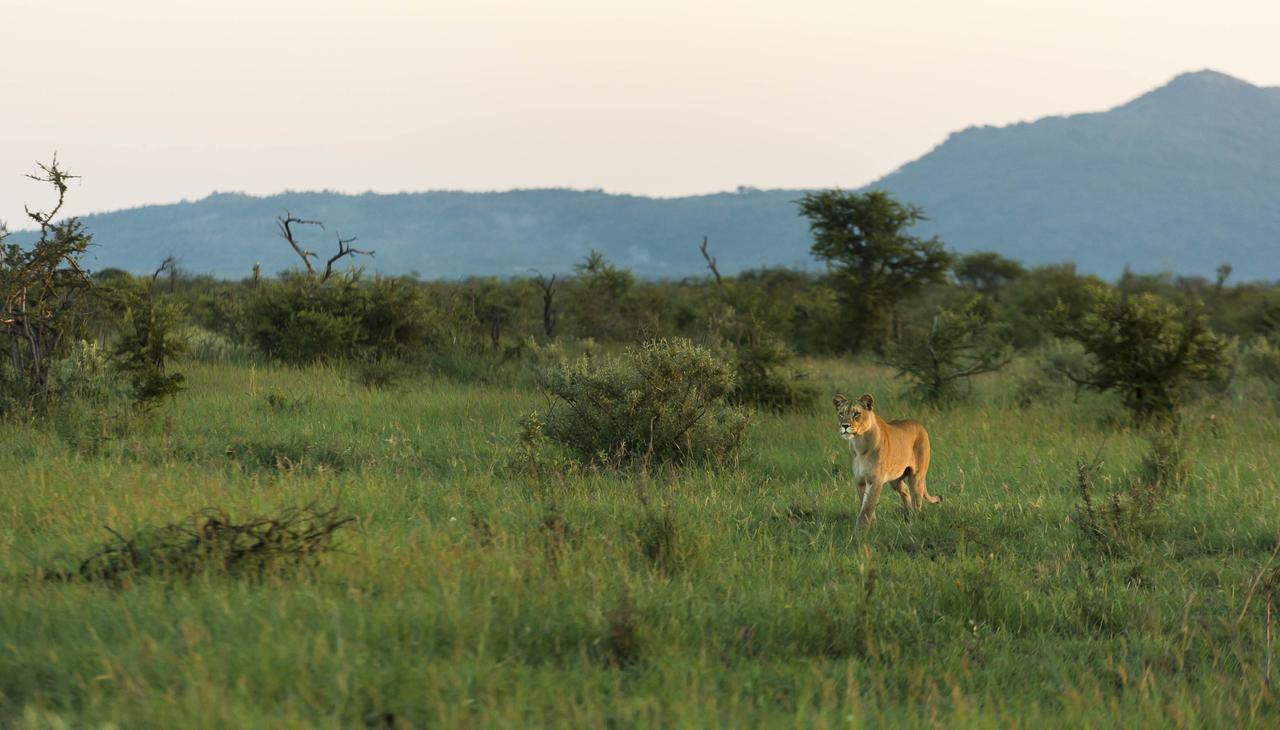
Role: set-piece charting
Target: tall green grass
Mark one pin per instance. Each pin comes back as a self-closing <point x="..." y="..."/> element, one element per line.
<point x="470" y="594"/>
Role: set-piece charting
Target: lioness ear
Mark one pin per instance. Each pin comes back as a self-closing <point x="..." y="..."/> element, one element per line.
<point x="839" y="401"/>
<point x="866" y="401"/>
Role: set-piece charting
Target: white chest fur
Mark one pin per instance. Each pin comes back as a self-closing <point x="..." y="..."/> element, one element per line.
<point x="863" y="462"/>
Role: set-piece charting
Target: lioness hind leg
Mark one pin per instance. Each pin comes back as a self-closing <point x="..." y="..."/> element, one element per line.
<point x="918" y="484"/>
<point x="922" y="491"/>
<point x="901" y="486"/>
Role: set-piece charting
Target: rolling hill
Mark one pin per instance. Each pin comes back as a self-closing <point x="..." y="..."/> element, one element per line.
<point x="1180" y="179"/>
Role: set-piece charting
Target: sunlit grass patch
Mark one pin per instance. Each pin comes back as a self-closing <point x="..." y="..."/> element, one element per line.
<point x="467" y="593"/>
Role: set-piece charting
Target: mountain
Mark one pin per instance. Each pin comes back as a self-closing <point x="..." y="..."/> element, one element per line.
<point x="1180" y="179"/>
<point x="456" y="234"/>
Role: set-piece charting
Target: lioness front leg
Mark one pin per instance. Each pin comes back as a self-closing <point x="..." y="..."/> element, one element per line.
<point x="870" y="498"/>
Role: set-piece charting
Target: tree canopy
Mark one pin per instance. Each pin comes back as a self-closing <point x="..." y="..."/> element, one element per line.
<point x="863" y="239"/>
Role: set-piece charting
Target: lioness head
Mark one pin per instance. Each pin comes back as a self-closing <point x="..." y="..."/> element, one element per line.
<point x="855" y="415"/>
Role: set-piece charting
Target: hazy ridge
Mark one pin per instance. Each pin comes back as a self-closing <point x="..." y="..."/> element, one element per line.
<point x="1181" y="179"/>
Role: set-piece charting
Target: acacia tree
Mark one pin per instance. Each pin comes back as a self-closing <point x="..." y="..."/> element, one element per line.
<point x="44" y="294"/>
<point x="863" y="239"/>
<point x="1143" y="347"/>
<point x="987" y="272"/>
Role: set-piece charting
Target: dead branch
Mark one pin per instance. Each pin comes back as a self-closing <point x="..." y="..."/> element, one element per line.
<point x="344" y="249"/>
<point x="285" y="225"/>
<point x="548" y="287"/>
<point x="711" y="263"/>
<point x="54" y="175"/>
<point x="170" y="265"/>
<point x="211" y="541"/>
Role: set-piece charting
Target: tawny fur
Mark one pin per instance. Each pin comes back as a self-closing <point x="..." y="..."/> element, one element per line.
<point x="884" y="452"/>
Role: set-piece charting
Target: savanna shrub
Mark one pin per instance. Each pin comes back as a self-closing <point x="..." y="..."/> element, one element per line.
<point x="1143" y="347"/>
<point x="741" y="329"/>
<point x="212" y="542"/>
<point x="469" y="366"/>
<point x="300" y="320"/>
<point x="84" y="374"/>
<point x="378" y="373"/>
<point x="222" y="309"/>
<point x="814" y="324"/>
<point x="1262" y="359"/>
<point x="151" y="336"/>
<point x="46" y="299"/>
<point x="664" y="401"/>
<point x="204" y="345"/>
<point x="1065" y="361"/>
<point x="602" y="300"/>
<point x="1136" y="506"/>
<point x="764" y="376"/>
<point x="1043" y="375"/>
<point x="1032" y="383"/>
<point x="958" y="344"/>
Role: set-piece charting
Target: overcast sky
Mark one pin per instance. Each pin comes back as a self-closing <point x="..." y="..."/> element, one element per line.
<point x="159" y="100"/>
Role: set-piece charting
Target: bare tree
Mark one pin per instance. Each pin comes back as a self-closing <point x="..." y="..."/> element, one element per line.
<point x="548" y="287"/>
<point x="711" y="264"/>
<point x="286" y="224"/>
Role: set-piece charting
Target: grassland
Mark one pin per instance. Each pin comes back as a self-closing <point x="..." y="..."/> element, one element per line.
<point x="468" y="593"/>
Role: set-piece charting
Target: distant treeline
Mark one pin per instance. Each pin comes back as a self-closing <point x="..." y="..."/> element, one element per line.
<point x="602" y="302"/>
<point x="938" y="317"/>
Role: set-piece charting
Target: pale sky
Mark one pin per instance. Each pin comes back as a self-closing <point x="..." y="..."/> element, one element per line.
<point x="158" y="100"/>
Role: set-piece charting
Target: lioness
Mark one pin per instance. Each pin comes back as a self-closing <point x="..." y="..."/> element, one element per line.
<point x="884" y="451"/>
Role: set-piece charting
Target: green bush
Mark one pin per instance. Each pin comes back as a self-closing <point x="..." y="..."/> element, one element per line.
<point x="766" y="378"/>
<point x="1065" y="361"/>
<point x="46" y="299"/>
<point x="89" y="404"/>
<point x="1028" y="300"/>
<point x="957" y="345"/>
<point x="378" y="373"/>
<point x="1129" y="517"/>
<point x="1145" y="348"/>
<point x="665" y="401"/>
<point x="743" y="323"/>
<point x="395" y="320"/>
<point x="1031" y="384"/>
<point x="151" y="336"/>
<point x="83" y="374"/>
<point x="602" y="300"/>
<point x="205" y="345"/>
<point x="1262" y="359"/>
<point x="300" y="320"/>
